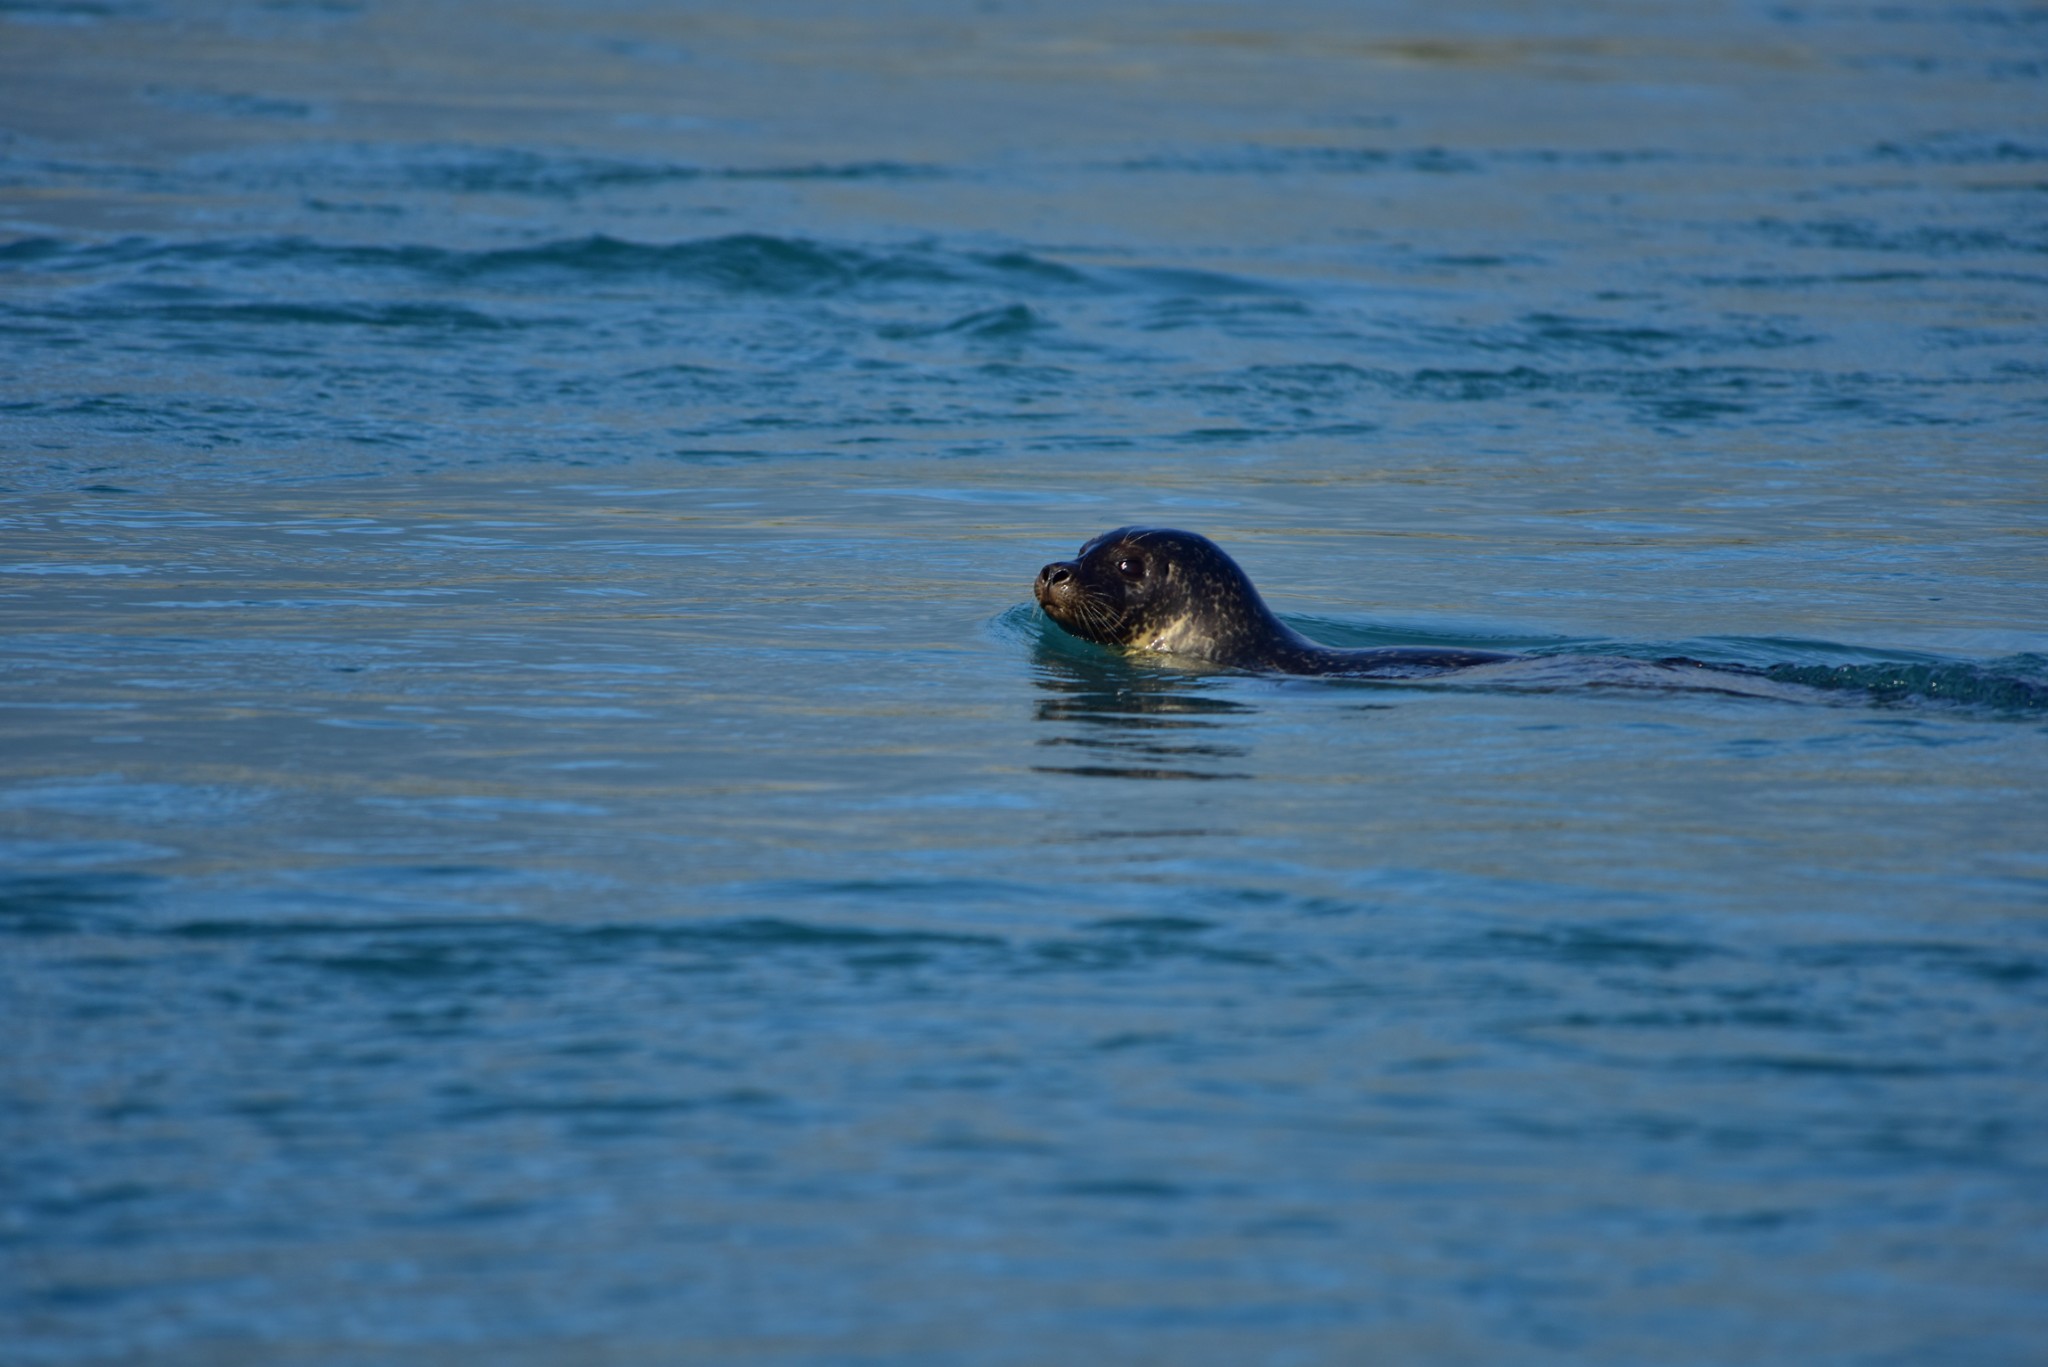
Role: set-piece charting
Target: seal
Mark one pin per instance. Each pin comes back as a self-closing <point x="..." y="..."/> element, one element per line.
<point x="1177" y="593"/>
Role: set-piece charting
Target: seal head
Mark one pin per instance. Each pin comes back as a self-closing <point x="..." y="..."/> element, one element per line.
<point x="1177" y="593"/>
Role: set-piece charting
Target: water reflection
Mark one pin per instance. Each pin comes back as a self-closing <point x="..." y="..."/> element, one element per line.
<point x="1133" y="723"/>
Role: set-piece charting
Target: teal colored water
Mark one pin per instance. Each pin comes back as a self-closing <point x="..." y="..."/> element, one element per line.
<point x="538" y="822"/>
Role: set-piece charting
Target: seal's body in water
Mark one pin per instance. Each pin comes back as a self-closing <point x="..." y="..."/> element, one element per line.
<point x="1151" y="588"/>
<point x="1178" y="594"/>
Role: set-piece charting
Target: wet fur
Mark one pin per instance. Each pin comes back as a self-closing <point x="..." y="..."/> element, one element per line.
<point x="1177" y="593"/>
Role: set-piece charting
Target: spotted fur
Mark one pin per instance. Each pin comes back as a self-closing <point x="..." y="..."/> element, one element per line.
<point x="1176" y="593"/>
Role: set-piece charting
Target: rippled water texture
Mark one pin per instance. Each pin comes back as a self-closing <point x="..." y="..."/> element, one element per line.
<point x="539" y="825"/>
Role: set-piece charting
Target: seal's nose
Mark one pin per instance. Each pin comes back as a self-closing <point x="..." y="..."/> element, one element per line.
<point x="1052" y="578"/>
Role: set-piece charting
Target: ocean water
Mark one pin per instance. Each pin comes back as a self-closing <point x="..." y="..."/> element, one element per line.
<point x="539" y="824"/>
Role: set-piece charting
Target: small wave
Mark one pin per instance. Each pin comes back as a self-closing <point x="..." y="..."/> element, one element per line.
<point x="1319" y="160"/>
<point x="1922" y="242"/>
<point x="229" y="104"/>
<point x="743" y="262"/>
<point x="859" y="170"/>
<point x="416" y="317"/>
<point x="740" y="262"/>
<point x="84" y="11"/>
<point x="1017" y="320"/>
<point x="53" y="901"/>
<point x="32" y="250"/>
<point x="1960" y="149"/>
<point x="361" y="168"/>
<point x="1181" y="282"/>
<point x="2016" y="685"/>
<point x="1559" y="334"/>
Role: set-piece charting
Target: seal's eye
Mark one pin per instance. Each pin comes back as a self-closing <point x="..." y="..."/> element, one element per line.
<point x="1131" y="567"/>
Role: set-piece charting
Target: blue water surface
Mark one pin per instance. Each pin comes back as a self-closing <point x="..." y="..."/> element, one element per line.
<point x="538" y="822"/>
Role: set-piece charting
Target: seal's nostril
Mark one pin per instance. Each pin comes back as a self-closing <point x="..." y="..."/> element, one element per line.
<point x="1054" y="574"/>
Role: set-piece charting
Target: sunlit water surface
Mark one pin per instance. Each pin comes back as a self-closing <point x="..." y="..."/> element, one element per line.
<point x="537" y="823"/>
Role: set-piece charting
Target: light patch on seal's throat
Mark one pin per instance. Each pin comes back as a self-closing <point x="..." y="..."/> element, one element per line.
<point x="1182" y="636"/>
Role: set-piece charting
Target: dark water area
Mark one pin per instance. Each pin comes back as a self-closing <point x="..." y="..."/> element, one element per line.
<point x="539" y="823"/>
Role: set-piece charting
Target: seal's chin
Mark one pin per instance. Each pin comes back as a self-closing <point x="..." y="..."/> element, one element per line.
<point x="1054" y="603"/>
<point x="1063" y="613"/>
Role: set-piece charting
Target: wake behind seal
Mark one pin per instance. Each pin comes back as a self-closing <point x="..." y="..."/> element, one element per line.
<point x="1177" y="593"/>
